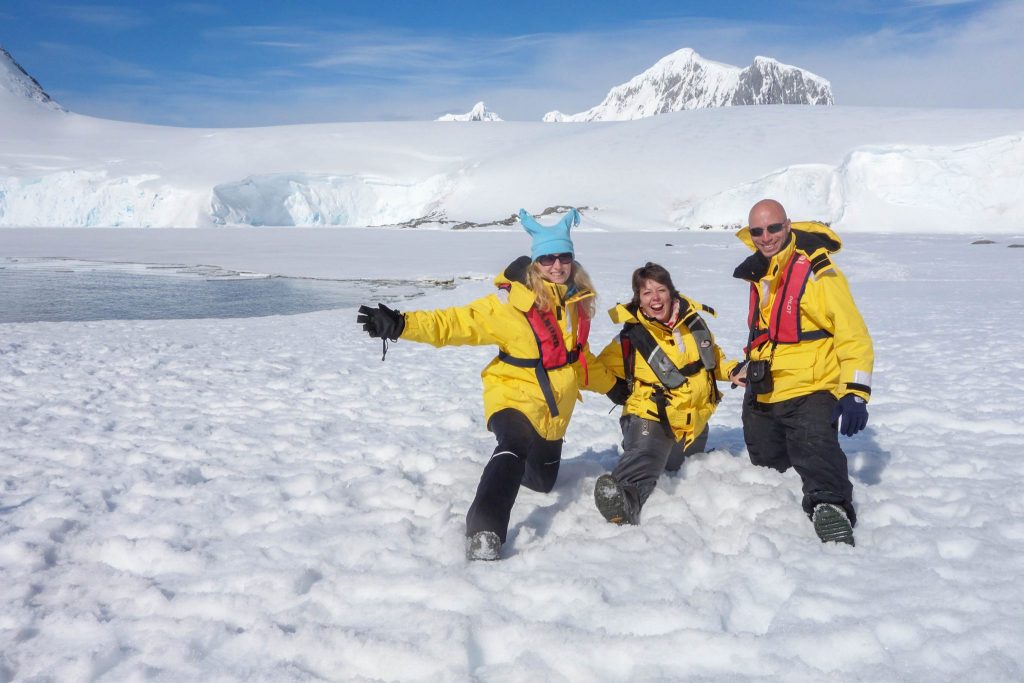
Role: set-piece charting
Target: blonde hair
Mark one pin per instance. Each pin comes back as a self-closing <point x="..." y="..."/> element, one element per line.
<point x="535" y="280"/>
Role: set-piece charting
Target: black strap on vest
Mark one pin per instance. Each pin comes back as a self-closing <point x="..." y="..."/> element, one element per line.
<point x="808" y="335"/>
<point x="660" y="398"/>
<point x="542" y="373"/>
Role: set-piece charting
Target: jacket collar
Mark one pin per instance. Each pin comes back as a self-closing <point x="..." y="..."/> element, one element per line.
<point x="523" y="298"/>
<point x="809" y="238"/>
<point x="624" y="313"/>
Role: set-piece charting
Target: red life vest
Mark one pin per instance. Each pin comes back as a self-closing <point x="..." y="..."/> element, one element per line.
<point x="784" y="319"/>
<point x="551" y="345"/>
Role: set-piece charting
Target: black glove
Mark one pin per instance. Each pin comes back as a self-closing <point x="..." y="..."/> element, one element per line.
<point x="854" y="412"/>
<point x="735" y="371"/>
<point x="381" y="322"/>
<point x="516" y="271"/>
<point x="619" y="393"/>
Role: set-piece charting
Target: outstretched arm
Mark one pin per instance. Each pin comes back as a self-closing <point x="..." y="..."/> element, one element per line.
<point x="472" y="324"/>
<point x="600" y="376"/>
<point x="724" y="368"/>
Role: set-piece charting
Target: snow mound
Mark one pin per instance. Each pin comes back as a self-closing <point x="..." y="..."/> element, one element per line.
<point x="305" y="199"/>
<point x="954" y="188"/>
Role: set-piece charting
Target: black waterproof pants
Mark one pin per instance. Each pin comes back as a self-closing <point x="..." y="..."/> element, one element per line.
<point x="522" y="457"/>
<point x="647" y="451"/>
<point x="799" y="433"/>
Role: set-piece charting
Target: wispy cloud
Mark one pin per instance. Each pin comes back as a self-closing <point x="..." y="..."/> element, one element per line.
<point x="939" y="3"/>
<point x="115" y="18"/>
<point x="969" y="62"/>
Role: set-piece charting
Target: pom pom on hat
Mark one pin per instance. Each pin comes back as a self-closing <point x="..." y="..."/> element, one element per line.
<point x="550" y="239"/>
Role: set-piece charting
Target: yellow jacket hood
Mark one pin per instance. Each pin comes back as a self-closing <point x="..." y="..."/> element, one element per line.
<point x="520" y="296"/>
<point x="810" y="237"/>
<point x="829" y="239"/>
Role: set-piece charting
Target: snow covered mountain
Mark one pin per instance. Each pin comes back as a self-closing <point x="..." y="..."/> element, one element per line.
<point x="479" y="112"/>
<point x="685" y="80"/>
<point x="15" y="82"/>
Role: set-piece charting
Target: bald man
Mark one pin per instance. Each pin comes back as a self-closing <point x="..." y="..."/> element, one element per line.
<point x="809" y="362"/>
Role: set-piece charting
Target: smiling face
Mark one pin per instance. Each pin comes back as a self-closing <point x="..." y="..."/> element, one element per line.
<point x="655" y="300"/>
<point x="765" y="213"/>
<point x="559" y="270"/>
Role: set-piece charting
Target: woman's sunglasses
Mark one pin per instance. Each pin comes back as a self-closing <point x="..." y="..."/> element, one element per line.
<point x="548" y="259"/>
<point x="773" y="229"/>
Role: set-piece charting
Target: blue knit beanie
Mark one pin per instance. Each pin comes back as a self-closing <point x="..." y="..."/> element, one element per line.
<point x="553" y="239"/>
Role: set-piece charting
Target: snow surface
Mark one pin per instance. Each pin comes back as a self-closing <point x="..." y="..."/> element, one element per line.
<point x="860" y="169"/>
<point x="263" y="499"/>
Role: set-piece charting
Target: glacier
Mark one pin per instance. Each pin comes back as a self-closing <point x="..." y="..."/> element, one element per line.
<point x="862" y="169"/>
<point x="959" y="187"/>
<point x="310" y="199"/>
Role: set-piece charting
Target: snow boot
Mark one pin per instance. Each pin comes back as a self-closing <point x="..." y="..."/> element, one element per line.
<point x="483" y="545"/>
<point x="611" y="503"/>
<point x="831" y="524"/>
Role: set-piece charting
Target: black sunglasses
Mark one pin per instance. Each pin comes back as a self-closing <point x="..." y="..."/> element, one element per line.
<point x="773" y="229"/>
<point x="548" y="259"/>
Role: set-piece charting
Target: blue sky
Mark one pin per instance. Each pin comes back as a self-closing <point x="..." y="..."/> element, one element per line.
<point x="232" y="63"/>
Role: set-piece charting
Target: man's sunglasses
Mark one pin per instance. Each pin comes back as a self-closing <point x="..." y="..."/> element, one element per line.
<point x="548" y="259"/>
<point x="774" y="228"/>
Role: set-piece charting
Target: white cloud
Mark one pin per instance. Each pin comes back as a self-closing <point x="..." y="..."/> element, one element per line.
<point x="111" y="17"/>
<point x="972" y="62"/>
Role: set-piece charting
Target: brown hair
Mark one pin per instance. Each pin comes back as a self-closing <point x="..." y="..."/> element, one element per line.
<point x="651" y="271"/>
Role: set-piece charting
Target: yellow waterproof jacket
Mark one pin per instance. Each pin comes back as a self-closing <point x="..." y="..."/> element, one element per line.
<point x="500" y="319"/>
<point x="690" y="406"/>
<point x="842" y="360"/>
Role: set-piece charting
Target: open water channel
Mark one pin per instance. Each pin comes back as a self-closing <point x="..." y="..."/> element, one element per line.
<point x="55" y="290"/>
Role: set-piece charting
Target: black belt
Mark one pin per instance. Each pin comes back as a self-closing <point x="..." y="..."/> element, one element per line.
<point x="542" y="373"/>
<point x="810" y="335"/>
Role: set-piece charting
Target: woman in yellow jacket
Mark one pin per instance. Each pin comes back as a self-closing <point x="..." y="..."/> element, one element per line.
<point x="669" y="362"/>
<point x="539" y="320"/>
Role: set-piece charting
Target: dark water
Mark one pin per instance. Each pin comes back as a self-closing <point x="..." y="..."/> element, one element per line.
<point x="52" y="294"/>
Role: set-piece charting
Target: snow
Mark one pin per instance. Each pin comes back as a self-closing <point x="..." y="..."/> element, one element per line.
<point x="263" y="499"/>
<point x="15" y="81"/>
<point x="860" y="169"/>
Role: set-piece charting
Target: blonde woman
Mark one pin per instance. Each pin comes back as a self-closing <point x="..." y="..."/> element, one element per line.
<point x="539" y="319"/>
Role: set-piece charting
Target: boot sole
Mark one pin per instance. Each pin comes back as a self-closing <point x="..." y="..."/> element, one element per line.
<point x="831" y="525"/>
<point x="483" y="546"/>
<point x="609" y="500"/>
